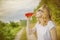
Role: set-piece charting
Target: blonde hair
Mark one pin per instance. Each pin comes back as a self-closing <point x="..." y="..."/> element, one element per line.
<point x="45" y="7"/>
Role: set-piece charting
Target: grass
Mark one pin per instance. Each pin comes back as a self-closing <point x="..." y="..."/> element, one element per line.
<point x="23" y="37"/>
<point x="15" y="30"/>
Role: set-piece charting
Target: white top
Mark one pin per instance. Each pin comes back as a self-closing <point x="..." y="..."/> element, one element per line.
<point x="43" y="32"/>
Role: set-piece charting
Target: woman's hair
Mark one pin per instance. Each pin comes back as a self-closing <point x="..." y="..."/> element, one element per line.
<point x="47" y="10"/>
<point x="45" y="7"/>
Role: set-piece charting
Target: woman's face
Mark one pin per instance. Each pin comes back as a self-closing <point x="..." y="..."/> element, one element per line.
<point x="41" y="15"/>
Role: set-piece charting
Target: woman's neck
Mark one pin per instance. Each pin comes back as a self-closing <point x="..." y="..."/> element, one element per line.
<point x="44" y="22"/>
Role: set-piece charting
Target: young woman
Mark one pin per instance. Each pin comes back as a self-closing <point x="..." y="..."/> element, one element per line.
<point x="44" y="28"/>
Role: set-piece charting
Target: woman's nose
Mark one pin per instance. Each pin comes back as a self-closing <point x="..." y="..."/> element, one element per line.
<point x="38" y="14"/>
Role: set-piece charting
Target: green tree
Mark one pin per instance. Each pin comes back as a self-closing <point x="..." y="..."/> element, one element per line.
<point x="13" y="24"/>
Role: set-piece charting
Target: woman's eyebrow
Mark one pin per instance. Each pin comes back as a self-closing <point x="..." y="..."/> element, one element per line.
<point x="40" y="10"/>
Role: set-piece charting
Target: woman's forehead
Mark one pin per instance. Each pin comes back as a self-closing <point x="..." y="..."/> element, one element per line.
<point x="40" y="9"/>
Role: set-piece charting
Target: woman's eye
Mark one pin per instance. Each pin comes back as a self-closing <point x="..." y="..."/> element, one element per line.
<point x="38" y="10"/>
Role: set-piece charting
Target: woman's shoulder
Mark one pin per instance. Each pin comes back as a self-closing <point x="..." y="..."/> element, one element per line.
<point x="51" y="24"/>
<point x="36" y="23"/>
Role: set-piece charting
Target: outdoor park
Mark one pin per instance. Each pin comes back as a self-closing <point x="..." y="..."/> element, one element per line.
<point x="17" y="30"/>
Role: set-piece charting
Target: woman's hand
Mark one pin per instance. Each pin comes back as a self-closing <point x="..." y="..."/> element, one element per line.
<point x="53" y="34"/>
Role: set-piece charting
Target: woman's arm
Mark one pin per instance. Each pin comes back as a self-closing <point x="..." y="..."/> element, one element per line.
<point x="53" y="34"/>
<point x="32" y="30"/>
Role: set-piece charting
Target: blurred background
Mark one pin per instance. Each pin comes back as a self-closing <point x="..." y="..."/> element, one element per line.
<point x="13" y="20"/>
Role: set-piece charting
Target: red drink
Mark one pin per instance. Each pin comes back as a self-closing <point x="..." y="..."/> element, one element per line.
<point x="28" y="14"/>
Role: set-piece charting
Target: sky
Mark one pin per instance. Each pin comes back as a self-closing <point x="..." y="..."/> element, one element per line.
<point x="14" y="10"/>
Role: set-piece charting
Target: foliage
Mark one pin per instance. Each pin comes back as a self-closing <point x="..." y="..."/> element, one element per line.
<point x="13" y="24"/>
<point x="8" y="30"/>
<point x="23" y="23"/>
<point x="2" y="24"/>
